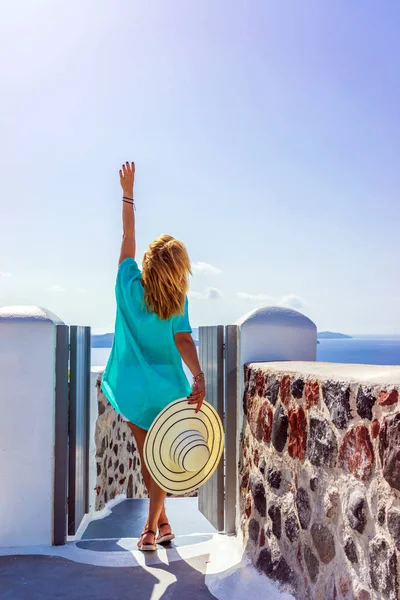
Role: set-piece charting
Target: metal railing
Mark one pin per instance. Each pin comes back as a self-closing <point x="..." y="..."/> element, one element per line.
<point x="218" y="354"/>
<point x="71" y="473"/>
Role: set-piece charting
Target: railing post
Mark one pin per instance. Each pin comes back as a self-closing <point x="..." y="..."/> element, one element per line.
<point x="231" y="407"/>
<point x="79" y="426"/>
<point x="61" y="437"/>
<point x="211" y="494"/>
<point x="87" y="367"/>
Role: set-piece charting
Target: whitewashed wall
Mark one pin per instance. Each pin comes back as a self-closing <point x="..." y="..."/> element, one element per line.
<point x="27" y="376"/>
<point x="275" y="333"/>
<point x="272" y="333"/>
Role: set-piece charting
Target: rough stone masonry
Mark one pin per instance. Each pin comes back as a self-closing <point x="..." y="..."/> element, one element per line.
<point x="320" y="482"/>
<point x="117" y="458"/>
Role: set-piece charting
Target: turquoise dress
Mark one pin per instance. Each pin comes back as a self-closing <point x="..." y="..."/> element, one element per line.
<point x="144" y="372"/>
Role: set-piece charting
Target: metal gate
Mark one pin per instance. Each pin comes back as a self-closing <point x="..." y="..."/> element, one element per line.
<point x="218" y="355"/>
<point x="71" y="465"/>
<point x="61" y="436"/>
<point x="79" y="404"/>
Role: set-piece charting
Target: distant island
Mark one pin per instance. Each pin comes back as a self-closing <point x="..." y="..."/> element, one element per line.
<point x="104" y="340"/>
<point x="330" y="335"/>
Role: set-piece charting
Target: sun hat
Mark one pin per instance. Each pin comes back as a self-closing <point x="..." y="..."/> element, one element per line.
<point x="182" y="448"/>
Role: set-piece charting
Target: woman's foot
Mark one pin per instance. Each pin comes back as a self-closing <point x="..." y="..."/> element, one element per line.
<point x="165" y="534"/>
<point x="147" y="541"/>
<point x="142" y="534"/>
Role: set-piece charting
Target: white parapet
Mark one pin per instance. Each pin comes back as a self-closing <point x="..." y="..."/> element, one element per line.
<point x="272" y="333"/>
<point x="275" y="333"/>
<point x="27" y="376"/>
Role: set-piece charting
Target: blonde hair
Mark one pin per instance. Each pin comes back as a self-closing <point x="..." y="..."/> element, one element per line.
<point x="165" y="271"/>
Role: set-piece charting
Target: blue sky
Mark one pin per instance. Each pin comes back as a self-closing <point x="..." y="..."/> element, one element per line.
<point x="266" y="135"/>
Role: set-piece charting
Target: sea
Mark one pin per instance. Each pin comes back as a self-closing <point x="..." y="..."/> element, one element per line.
<point x="367" y="350"/>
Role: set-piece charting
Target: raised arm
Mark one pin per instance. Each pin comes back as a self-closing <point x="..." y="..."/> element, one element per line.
<point x="127" y="179"/>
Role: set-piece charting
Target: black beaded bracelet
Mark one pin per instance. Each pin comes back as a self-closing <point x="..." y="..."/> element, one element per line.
<point x="129" y="201"/>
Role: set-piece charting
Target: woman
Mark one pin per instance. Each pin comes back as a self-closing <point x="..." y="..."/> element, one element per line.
<point x="152" y="335"/>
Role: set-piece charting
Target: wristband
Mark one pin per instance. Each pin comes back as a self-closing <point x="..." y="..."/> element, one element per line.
<point x="129" y="201"/>
<point x="198" y="376"/>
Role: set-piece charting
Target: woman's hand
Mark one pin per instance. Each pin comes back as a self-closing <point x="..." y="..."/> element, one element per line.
<point x="198" y="393"/>
<point x="127" y="179"/>
<point x="128" y="245"/>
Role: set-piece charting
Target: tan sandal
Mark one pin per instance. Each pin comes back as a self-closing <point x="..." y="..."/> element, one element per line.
<point x="141" y="535"/>
<point x="165" y="539"/>
<point x="148" y="547"/>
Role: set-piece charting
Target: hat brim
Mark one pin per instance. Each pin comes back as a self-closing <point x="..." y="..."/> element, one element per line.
<point x="182" y="416"/>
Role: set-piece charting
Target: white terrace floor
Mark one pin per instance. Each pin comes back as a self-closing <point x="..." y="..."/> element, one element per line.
<point x="102" y="562"/>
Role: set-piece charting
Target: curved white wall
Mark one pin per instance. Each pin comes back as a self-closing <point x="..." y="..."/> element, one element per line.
<point x="27" y="376"/>
<point x="275" y="333"/>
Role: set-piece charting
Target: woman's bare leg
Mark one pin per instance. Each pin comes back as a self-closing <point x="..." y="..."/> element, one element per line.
<point x="140" y="436"/>
<point x="157" y="514"/>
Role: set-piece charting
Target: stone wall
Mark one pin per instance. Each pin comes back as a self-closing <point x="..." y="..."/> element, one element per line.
<point x="320" y="478"/>
<point x="117" y="458"/>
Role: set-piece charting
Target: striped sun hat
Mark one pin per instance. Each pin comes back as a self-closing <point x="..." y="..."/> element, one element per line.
<point x="182" y="448"/>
